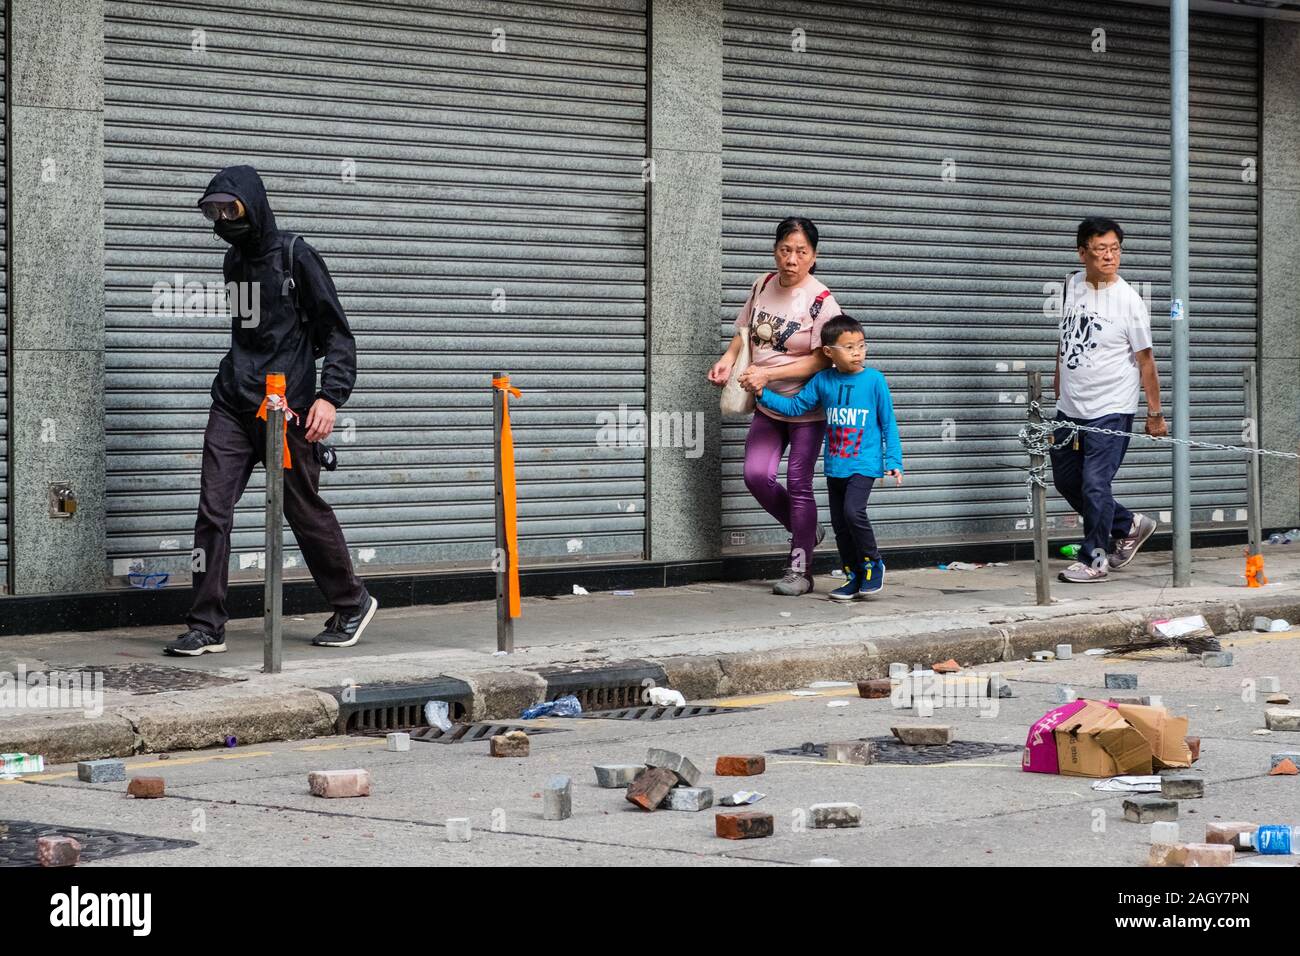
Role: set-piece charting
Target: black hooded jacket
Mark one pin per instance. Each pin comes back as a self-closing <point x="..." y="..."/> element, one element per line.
<point x="288" y="329"/>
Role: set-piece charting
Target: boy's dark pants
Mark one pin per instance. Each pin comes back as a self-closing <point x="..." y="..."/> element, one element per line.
<point x="1084" y="476"/>
<point x="232" y="445"/>
<point x="853" y="534"/>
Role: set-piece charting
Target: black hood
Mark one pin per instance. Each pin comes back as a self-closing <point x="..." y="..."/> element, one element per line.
<point x="244" y="182"/>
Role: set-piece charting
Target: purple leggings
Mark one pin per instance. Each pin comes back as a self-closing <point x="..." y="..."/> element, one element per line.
<point x="794" y="505"/>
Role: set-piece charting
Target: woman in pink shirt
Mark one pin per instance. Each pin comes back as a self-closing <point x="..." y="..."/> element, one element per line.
<point x="783" y="317"/>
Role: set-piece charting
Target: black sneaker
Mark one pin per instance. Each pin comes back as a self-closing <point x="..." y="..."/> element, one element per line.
<point x="195" y="642"/>
<point x="345" y="627"/>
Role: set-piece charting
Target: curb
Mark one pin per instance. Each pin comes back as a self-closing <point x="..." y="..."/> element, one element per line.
<point x="198" y="719"/>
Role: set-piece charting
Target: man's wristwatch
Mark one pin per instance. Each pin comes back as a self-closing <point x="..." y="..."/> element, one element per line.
<point x="1155" y="414"/>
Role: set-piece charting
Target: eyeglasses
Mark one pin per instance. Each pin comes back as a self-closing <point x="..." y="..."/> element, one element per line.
<point x="220" y="210"/>
<point x="852" y="349"/>
<point x="1102" y="251"/>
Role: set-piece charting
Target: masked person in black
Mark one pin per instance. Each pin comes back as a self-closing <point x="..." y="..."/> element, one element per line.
<point x="285" y="314"/>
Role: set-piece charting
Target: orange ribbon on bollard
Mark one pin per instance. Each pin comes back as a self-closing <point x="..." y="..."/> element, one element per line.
<point x="1255" y="571"/>
<point x="508" y="490"/>
<point x="275" y="387"/>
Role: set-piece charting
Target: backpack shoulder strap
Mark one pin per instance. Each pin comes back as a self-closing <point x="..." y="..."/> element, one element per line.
<point x="288" y="241"/>
<point x="1066" y="288"/>
<point x="766" y="279"/>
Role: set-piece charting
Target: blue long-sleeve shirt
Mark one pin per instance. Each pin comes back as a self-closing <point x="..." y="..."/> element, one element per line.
<point x="861" y="433"/>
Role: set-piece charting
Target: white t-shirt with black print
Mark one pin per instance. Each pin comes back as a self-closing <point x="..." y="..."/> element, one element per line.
<point x="1101" y="332"/>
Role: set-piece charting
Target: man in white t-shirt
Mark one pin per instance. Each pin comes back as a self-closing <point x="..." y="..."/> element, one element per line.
<point x="1103" y="364"/>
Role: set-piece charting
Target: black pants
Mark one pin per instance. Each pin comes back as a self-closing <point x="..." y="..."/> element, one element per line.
<point x="232" y="445"/>
<point x="853" y="534"/>
<point x="1083" y="476"/>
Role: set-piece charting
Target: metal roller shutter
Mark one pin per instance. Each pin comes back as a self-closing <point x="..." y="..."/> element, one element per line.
<point x="949" y="276"/>
<point x="4" y="305"/>
<point x="496" y="220"/>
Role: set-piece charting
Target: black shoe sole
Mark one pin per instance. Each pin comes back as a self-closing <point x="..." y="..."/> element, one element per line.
<point x="205" y="649"/>
<point x="356" y="636"/>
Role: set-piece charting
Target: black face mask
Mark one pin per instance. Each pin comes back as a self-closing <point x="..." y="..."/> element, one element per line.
<point x="233" y="230"/>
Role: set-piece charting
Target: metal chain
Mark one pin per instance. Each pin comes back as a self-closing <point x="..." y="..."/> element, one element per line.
<point x="1036" y="437"/>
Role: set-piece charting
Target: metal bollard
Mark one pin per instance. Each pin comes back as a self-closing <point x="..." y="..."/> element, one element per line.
<point x="505" y="623"/>
<point x="1042" y="572"/>
<point x="273" y="603"/>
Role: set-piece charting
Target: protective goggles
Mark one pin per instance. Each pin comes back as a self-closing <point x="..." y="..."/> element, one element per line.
<point x="216" y="208"/>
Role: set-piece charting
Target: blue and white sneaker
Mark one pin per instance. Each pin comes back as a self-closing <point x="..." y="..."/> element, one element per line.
<point x="849" y="589"/>
<point x="872" y="579"/>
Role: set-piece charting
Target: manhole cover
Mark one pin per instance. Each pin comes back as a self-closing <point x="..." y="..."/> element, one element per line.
<point x="889" y="750"/>
<point x="465" y="732"/>
<point x="662" y="713"/>
<point x="18" y="842"/>
<point x="150" y="678"/>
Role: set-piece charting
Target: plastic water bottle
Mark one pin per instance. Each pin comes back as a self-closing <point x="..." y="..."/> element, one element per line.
<point x="1071" y="551"/>
<point x="1276" y="839"/>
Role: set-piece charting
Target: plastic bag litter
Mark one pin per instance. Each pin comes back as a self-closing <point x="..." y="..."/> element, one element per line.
<point x="624" y="594"/>
<point x="1180" y="626"/>
<point x="579" y="589"/>
<point x="1129" y="784"/>
<point x="741" y="798"/>
<point x="968" y="566"/>
<point x="566" y="706"/>
<point x="663" y="697"/>
<point x="831" y="683"/>
<point x="804" y="693"/>
<point x="1096" y="651"/>
<point x="838" y="703"/>
<point x="1279" y="625"/>
<point x="435" y="712"/>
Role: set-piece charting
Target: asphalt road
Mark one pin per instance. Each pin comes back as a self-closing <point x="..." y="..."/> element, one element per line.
<point x="251" y="806"/>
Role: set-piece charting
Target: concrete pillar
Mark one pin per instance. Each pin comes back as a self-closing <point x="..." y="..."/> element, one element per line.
<point x="56" y="300"/>
<point x="685" y="281"/>
<point x="1279" y="348"/>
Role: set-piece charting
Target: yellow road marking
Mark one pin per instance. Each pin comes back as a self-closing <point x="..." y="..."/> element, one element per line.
<point x="757" y="700"/>
<point x="343" y="746"/>
<point x="147" y="765"/>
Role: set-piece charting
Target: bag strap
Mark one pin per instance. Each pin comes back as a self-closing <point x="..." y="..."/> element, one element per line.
<point x="1065" y="288"/>
<point x="289" y="240"/>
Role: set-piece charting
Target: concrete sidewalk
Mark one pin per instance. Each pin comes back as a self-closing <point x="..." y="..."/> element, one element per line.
<point x="707" y="640"/>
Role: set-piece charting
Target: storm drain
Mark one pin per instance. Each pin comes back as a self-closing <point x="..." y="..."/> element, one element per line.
<point x="461" y="733"/>
<point x="381" y="707"/>
<point x="890" y="750"/>
<point x="18" y="842"/>
<point x="603" y="688"/>
<point x="149" y="678"/>
<point x="662" y="713"/>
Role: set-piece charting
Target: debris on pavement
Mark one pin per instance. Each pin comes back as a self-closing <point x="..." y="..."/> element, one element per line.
<point x="849" y="751"/>
<point x="949" y="666"/>
<point x="557" y="798"/>
<point x="566" y="706"/>
<point x="1268" y="685"/>
<point x="580" y="590"/>
<point x="742" y="765"/>
<point x="1088" y="738"/>
<point x="663" y="697"/>
<point x="1042" y="657"/>
<point x="57" y="851"/>
<point x="612" y="775"/>
<point x="805" y="693"/>
<point x="458" y="830"/>
<point x="651" y="787"/>
<point x="819" y="684"/>
<point x="741" y="798"/>
<point x="1129" y="784"/>
<point x="337" y="784"/>
<point x="1192" y="854"/>
<point x="101" y="771"/>
<point x="1096" y="651"/>
<point x="685" y="771"/>
<point x="1280" y="625"/>
<point x="1194" y="746"/>
<point x="1284" y="768"/>
<point x="1121" y="681"/>
<point x="21" y="763"/>
<point x="398" y="742"/>
<point x="436" y="714"/>
<point x="1216" y="659"/>
<point x="970" y="566"/>
<point x="513" y="743"/>
<point x="624" y="593"/>
<point x="1292" y="755"/>
<point x="924" y="735"/>
<point x="875" y="689"/>
<point x="1182" y="786"/>
<point x="1262" y="624"/>
<point x="689" y="799"/>
<point x="838" y="703"/>
<point x="1227" y="832"/>
<point x="1278" y="699"/>
<point x="835" y="816"/>
<point x="146" y="788"/>
<point x="1275" y="718"/>
<point x="1164" y="832"/>
<point x="231" y="741"/>
<point x="1064" y="652"/>
<point x="1149" y="808"/>
<point x="1064" y="694"/>
<point x="745" y="825"/>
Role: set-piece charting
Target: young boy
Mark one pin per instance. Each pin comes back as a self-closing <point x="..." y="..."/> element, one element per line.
<point x="861" y="446"/>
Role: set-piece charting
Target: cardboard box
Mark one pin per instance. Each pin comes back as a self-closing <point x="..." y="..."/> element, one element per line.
<point x="1166" y="734"/>
<point x="1097" y="741"/>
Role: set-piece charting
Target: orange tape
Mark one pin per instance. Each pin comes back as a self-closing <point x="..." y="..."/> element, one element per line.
<point x="508" y="491"/>
<point x="1255" y="571"/>
<point x="275" y="386"/>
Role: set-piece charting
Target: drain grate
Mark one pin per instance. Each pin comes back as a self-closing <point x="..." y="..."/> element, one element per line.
<point x="602" y="688"/>
<point x="18" y="842"/>
<point x="369" y="708"/>
<point x="460" y="733"/>
<point x="889" y="750"/>
<point x="662" y="713"/>
<point x="151" y="678"/>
